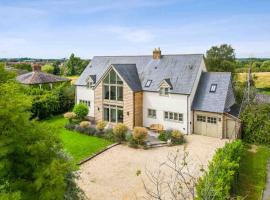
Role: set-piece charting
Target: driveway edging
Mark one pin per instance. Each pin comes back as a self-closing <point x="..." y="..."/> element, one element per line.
<point x="96" y="154"/>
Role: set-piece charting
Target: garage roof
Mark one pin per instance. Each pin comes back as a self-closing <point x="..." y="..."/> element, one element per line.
<point x="219" y="101"/>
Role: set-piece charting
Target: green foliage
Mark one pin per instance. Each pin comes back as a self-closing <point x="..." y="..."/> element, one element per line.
<point x="48" y="68"/>
<point x="5" y="75"/>
<point x="177" y="137"/>
<point x="75" y="65"/>
<point x="139" y="134"/>
<point x="56" y="68"/>
<point x="81" y="110"/>
<point x="218" y="182"/>
<point x="32" y="160"/>
<point x="256" y="124"/>
<point x="23" y="66"/>
<point x="165" y="135"/>
<point x="220" y="58"/>
<point x="239" y="88"/>
<point x="51" y="102"/>
<point x="119" y="131"/>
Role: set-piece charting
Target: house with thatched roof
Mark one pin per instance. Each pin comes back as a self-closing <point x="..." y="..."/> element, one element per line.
<point x="37" y="77"/>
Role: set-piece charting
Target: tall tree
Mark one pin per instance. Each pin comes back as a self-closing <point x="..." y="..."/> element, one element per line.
<point x="32" y="162"/>
<point x="75" y="65"/>
<point x="220" y="58"/>
<point x="56" y="68"/>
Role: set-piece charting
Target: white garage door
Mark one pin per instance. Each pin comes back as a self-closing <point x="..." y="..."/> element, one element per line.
<point x="206" y="125"/>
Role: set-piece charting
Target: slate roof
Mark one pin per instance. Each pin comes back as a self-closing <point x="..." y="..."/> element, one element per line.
<point x="130" y="75"/>
<point x="180" y="69"/>
<point x="38" y="77"/>
<point x="262" y="98"/>
<point x="219" y="101"/>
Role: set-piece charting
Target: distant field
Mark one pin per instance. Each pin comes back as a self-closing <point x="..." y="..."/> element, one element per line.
<point x="262" y="79"/>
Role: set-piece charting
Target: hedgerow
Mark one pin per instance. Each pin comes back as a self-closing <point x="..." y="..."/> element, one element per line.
<point x="218" y="182"/>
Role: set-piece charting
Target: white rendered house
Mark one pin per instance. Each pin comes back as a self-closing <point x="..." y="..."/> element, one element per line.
<point x="175" y="91"/>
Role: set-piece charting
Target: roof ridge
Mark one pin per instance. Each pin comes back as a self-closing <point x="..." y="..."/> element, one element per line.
<point x="150" y="55"/>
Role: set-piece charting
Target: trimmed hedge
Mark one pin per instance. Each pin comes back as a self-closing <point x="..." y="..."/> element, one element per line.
<point x="218" y="182"/>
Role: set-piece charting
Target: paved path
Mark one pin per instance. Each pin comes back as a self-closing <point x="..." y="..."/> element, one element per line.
<point x="266" y="194"/>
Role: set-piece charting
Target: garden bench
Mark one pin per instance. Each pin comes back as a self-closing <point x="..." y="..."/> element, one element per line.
<point x="156" y="127"/>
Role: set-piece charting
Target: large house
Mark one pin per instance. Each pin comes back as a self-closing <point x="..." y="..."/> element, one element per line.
<point x="174" y="91"/>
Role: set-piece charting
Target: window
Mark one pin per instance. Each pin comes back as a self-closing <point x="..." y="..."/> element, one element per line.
<point x="88" y="103"/>
<point x="212" y="120"/>
<point x="113" y="87"/>
<point x="148" y="83"/>
<point x="173" y="116"/>
<point x="200" y="118"/>
<point x="164" y="91"/>
<point x="152" y="113"/>
<point x="213" y="88"/>
<point x="113" y="113"/>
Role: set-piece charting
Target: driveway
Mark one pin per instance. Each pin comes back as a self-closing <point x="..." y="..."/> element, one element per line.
<point x="113" y="174"/>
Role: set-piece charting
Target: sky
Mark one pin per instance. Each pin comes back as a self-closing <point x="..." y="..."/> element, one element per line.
<point x="57" y="28"/>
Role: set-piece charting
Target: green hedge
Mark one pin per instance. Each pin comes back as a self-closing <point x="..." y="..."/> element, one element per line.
<point x="218" y="182"/>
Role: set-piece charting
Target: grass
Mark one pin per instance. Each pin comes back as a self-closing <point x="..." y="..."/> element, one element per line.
<point x="73" y="79"/>
<point x="261" y="79"/>
<point x="253" y="172"/>
<point x="79" y="146"/>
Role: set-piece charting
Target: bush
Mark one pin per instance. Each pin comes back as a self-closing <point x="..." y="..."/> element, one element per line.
<point x="177" y="137"/>
<point x="139" y="134"/>
<point x="70" y="116"/>
<point x="219" y="180"/>
<point x="165" y="135"/>
<point x="119" y="132"/>
<point x="256" y="124"/>
<point x="85" y="124"/>
<point x="101" y="125"/>
<point x="99" y="133"/>
<point x="47" y="68"/>
<point x="81" y="110"/>
<point x="70" y="126"/>
<point x="108" y="134"/>
<point x="86" y="131"/>
<point x="131" y="141"/>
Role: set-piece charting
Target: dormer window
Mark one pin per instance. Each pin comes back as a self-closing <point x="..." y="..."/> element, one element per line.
<point x="91" y="81"/>
<point x="213" y="88"/>
<point x="148" y="83"/>
<point x="164" y="91"/>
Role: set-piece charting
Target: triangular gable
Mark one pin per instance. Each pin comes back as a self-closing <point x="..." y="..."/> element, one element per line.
<point x="166" y="83"/>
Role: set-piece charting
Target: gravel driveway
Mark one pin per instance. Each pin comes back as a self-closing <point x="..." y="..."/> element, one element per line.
<point x="112" y="174"/>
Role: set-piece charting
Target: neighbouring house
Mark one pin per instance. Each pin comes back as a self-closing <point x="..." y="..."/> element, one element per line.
<point x="40" y="79"/>
<point x="173" y="91"/>
<point x="262" y="98"/>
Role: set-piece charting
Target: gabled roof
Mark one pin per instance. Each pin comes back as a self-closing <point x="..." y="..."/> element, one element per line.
<point x="181" y="69"/>
<point x="168" y="82"/>
<point x="38" y="77"/>
<point x="130" y="75"/>
<point x="219" y="101"/>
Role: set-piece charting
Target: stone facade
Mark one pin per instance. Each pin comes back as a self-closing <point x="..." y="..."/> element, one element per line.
<point x="138" y="109"/>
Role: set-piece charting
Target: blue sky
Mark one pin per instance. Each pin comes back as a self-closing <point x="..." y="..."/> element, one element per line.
<point x="56" y="28"/>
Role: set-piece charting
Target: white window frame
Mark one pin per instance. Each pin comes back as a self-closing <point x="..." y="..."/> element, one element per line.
<point x="86" y="102"/>
<point x="201" y="118"/>
<point x="173" y="116"/>
<point x="148" y="83"/>
<point x="164" y="91"/>
<point x="213" y="88"/>
<point x="152" y="113"/>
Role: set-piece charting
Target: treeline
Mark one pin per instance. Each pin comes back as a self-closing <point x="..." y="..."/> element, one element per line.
<point x="73" y="66"/>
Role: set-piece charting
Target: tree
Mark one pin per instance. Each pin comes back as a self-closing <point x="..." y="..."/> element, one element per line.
<point x="48" y="68"/>
<point x="75" y="65"/>
<point x="32" y="162"/>
<point x="220" y="58"/>
<point x="56" y="68"/>
<point x="81" y="110"/>
<point x="5" y="75"/>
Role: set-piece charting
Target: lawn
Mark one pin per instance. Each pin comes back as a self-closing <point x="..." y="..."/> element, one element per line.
<point x="253" y="172"/>
<point x="79" y="146"/>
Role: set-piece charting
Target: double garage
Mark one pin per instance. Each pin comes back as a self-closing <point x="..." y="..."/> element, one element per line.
<point x="219" y="125"/>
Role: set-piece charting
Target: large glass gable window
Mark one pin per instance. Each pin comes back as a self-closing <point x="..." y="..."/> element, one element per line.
<point x="113" y="87"/>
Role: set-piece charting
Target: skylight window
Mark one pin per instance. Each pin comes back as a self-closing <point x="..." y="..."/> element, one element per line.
<point x="148" y="83"/>
<point x="213" y="88"/>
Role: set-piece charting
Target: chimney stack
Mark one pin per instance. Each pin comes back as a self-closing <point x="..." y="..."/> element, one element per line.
<point x="157" y="53"/>
<point x="36" y="67"/>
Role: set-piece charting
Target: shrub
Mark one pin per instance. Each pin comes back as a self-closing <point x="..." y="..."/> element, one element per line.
<point x="139" y="134"/>
<point x="177" y="137"/>
<point x="120" y="131"/>
<point x="81" y="110"/>
<point x="47" y="68"/>
<point x="87" y="131"/>
<point x="101" y="125"/>
<point x="108" y="134"/>
<point x="165" y="135"/>
<point x="219" y="180"/>
<point x="131" y="141"/>
<point x="99" y="133"/>
<point x="256" y="124"/>
<point x="70" y="116"/>
<point x="70" y="126"/>
<point x="85" y="124"/>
